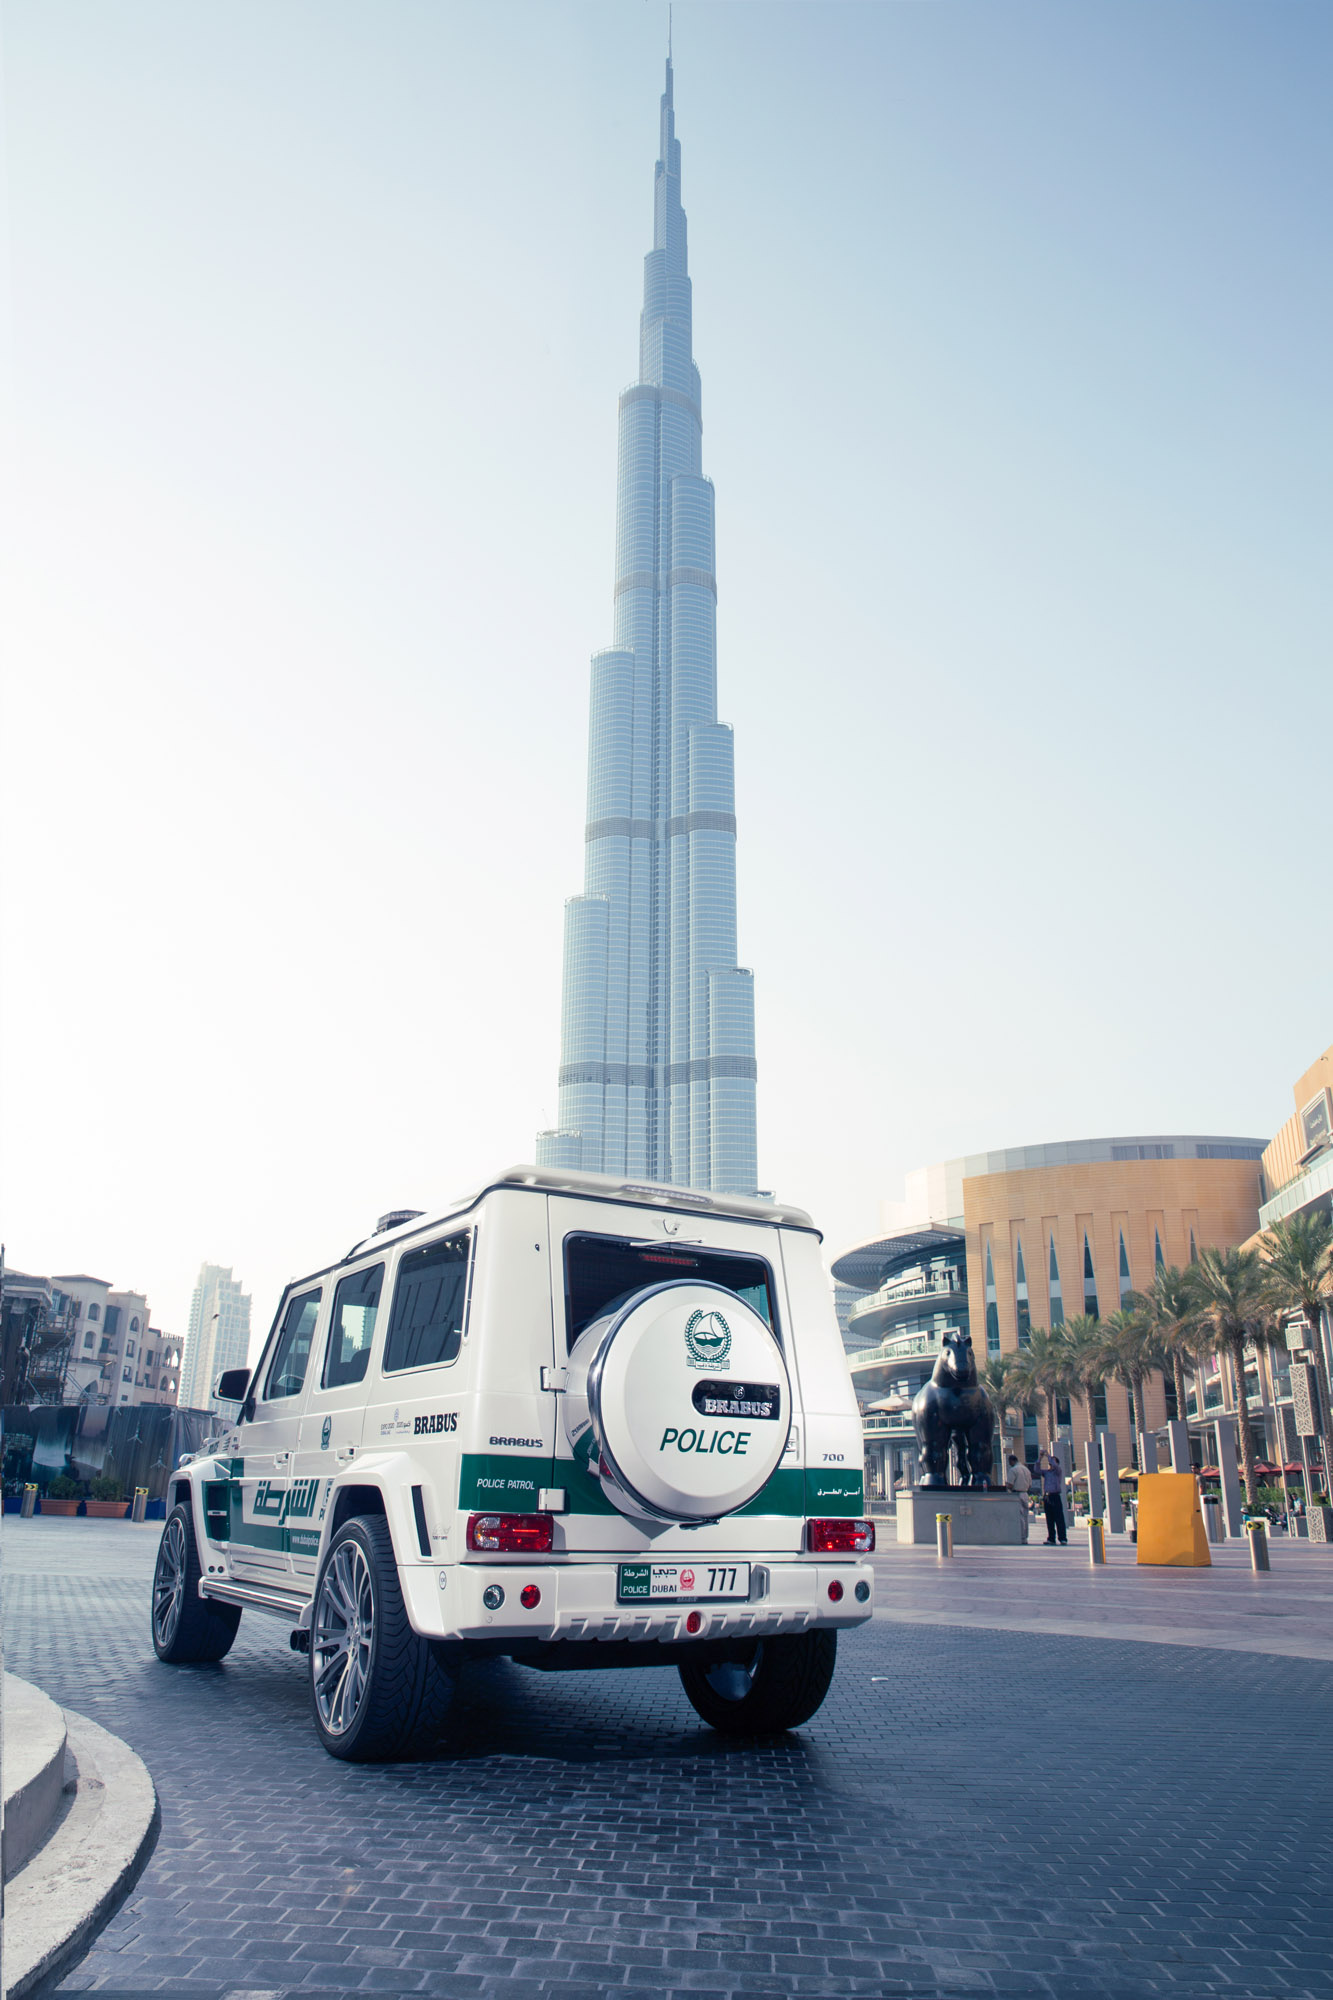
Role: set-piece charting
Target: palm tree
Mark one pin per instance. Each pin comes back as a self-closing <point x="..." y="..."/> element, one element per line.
<point x="1131" y="1355"/>
<point x="1002" y="1378"/>
<point x="1041" y="1372"/>
<point x="1171" y="1309"/>
<point x="1230" y="1288"/>
<point x="1085" y="1340"/>
<point x="1298" y="1275"/>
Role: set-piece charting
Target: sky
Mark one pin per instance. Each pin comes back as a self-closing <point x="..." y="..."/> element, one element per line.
<point x="1013" y="323"/>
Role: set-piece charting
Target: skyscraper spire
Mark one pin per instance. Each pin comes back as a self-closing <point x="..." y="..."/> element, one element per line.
<point x="657" y="1069"/>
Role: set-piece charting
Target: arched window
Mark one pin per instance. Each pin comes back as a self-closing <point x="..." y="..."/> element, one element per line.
<point x="134" y="1324"/>
<point x="94" y="1310"/>
<point x="992" y="1307"/>
<point x="1021" y="1297"/>
<point x="1057" y="1296"/>
<point x="1089" y="1281"/>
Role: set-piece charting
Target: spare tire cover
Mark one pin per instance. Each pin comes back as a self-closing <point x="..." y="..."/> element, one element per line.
<point x="678" y="1402"/>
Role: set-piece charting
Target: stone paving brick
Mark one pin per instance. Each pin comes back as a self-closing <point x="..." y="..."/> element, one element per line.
<point x="1001" y="1814"/>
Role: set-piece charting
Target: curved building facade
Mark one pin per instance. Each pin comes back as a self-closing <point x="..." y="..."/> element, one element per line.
<point x="1028" y="1237"/>
<point x="657" y="1063"/>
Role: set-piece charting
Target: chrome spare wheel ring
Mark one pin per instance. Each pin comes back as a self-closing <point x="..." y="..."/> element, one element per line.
<point x="733" y="1679"/>
<point x="169" y="1583"/>
<point x="341" y="1638"/>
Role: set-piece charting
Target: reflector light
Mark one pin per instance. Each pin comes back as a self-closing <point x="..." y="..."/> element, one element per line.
<point x="835" y="1592"/>
<point x="529" y="1597"/>
<point x="517" y="1534"/>
<point x="694" y="1622"/>
<point x="840" y="1538"/>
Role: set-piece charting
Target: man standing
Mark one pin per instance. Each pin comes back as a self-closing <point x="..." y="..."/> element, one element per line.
<point x="1052" y="1495"/>
<point x="1019" y="1480"/>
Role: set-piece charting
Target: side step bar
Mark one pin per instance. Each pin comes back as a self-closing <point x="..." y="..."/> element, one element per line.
<point x="289" y="1604"/>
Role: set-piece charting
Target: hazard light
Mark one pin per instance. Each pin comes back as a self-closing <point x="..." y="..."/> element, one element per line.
<point x="840" y="1538"/>
<point x="511" y="1534"/>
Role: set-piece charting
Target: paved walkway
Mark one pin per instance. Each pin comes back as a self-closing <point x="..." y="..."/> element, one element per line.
<point x="1288" y="1612"/>
<point x="974" y="1811"/>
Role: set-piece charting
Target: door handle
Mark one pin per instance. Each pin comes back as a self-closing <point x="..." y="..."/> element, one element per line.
<point x="282" y="1458"/>
<point x="344" y="1453"/>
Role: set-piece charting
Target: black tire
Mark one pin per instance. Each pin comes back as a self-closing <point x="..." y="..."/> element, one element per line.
<point x="376" y="1697"/>
<point x="187" y="1629"/>
<point x="780" y="1687"/>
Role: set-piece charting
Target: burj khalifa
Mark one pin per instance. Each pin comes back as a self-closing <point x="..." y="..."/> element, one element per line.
<point x="657" y="1068"/>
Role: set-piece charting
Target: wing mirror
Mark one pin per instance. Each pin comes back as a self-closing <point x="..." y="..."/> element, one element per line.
<point x="233" y="1386"/>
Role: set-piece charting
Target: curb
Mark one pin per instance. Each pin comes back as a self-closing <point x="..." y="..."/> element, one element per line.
<point x="34" y="1762"/>
<point x="75" y="1882"/>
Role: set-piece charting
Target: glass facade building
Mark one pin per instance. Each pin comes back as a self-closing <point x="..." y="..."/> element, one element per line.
<point x="657" y="1064"/>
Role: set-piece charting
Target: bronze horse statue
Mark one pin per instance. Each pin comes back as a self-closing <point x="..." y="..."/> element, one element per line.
<point x="953" y="1408"/>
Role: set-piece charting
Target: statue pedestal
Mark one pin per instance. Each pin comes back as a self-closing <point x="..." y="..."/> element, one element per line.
<point x="980" y="1519"/>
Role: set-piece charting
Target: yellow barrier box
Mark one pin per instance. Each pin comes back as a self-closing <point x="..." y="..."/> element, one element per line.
<point x="1171" y="1530"/>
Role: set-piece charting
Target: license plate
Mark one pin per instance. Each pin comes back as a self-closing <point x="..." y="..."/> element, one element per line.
<point x="679" y="1583"/>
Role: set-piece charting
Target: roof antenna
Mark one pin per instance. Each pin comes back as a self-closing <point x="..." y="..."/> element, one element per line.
<point x="669" y="12"/>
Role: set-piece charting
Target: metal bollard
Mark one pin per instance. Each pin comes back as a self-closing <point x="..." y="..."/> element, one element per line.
<point x="140" y="1503"/>
<point x="944" y="1534"/>
<point x="1096" y="1540"/>
<point x="1258" y="1534"/>
<point x="29" y="1502"/>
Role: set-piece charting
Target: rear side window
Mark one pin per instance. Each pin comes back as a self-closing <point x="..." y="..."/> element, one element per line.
<point x="426" y="1325"/>
<point x="601" y="1272"/>
<point x="286" y="1373"/>
<point x="356" y="1305"/>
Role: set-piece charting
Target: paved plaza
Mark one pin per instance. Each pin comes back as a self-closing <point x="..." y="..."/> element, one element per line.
<point x="1118" y="1785"/>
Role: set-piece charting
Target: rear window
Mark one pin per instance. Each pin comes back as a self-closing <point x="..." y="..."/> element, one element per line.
<point x="601" y="1272"/>
<point x="429" y="1299"/>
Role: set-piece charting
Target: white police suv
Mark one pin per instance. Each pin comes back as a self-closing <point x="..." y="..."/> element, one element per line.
<point x="569" y="1421"/>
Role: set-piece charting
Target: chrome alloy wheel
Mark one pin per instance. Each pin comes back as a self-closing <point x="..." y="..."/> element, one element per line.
<point x="169" y="1583"/>
<point x="342" y="1636"/>
<point x="733" y="1679"/>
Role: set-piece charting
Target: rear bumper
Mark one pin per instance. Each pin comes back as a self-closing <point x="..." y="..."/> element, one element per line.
<point x="578" y="1602"/>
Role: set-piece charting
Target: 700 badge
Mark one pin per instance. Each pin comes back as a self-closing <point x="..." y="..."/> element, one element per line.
<point x="693" y="1583"/>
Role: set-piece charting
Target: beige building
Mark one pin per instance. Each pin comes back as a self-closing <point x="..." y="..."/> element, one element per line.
<point x="1297" y="1166"/>
<point x="1029" y="1237"/>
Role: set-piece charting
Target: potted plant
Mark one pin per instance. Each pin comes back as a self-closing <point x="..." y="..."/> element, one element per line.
<point x="61" y="1496"/>
<point x="105" y="1500"/>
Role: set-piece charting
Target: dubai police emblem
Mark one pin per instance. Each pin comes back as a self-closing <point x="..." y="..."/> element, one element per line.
<point x="707" y="1339"/>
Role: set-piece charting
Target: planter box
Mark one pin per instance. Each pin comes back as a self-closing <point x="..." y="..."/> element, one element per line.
<point x="65" y="1507"/>
<point x="107" y="1510"/>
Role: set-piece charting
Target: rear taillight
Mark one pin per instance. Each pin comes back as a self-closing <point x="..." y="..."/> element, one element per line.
<point x="511" y="1534"/>
<point x="840" y="1538"/>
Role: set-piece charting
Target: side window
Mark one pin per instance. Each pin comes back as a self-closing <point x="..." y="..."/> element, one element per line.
<point x="356" y="1305"/>
<point x="287" y="1371"/>
<point x="426" y="1325"/>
